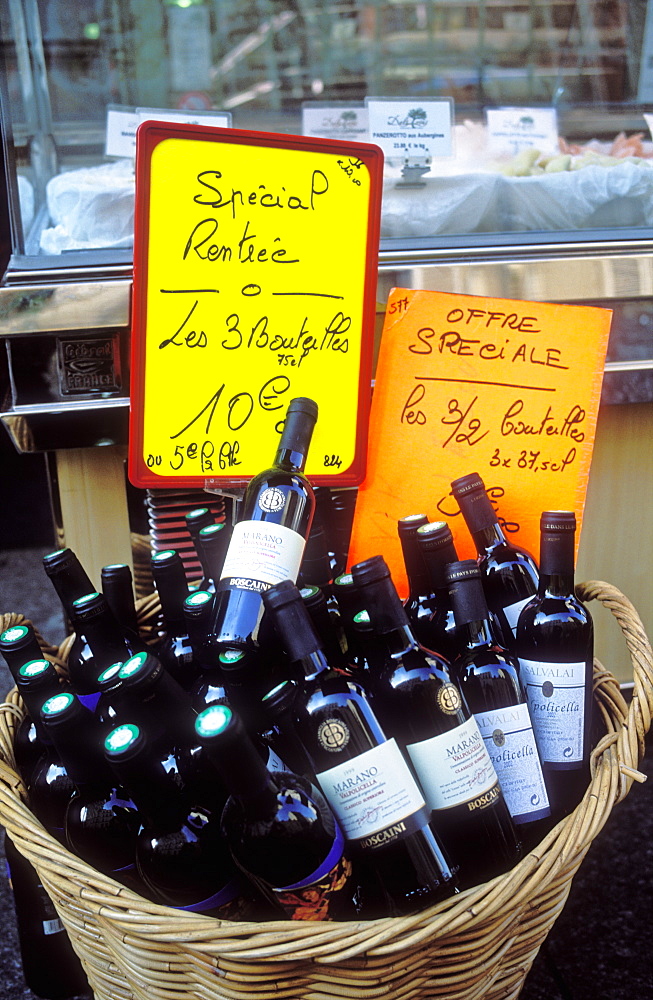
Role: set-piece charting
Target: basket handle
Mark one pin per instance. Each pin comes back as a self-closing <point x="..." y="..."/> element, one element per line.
<point x="631" y="737"/>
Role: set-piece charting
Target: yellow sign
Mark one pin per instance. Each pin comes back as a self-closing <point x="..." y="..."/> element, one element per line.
<point x="254" y="282"/>
<point x="500" y="387"/>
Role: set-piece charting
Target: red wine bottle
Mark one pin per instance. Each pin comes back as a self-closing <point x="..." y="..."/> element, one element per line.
<point x="555" y="646"/>
<point x="174" y="647"/>
<point x="100" y="822"/>
<point x="118" y="588"/>
<point x="488" y="677"/>
<point x="37" y="680"/>
<point x="420" y="602"/>
<point x="267" y="543"/>
<point x="438" y="549"/>
<point x="51" y="968"/>
<point x="280" y="830"/>
<point x="423" y="708"/>
<point x="196" y="519"/>
<point x="181" y="854"/>
<point x="98" y="630"/>
<point x="362" y="773"/>
<point x="213" y="542"/>
<point x="510" y="574"/>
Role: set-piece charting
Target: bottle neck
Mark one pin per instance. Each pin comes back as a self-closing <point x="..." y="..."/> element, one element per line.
<point x="105" y="638"/>
<point x="313" y="664"/>
<point x="387" y="615"/>
<point x="557" y="557"/>
<point x="398" y="640"/>
<point x="419" y="583"/>
<point x="488" y="537"/>
<point x="172" y="594"/>
<point x="70" y="584"/>
<point x="245" y="775"/>
<point x="154" y="791"/>
<point x="476" y="634"/>
<point x="118" y="590"/>
<point x="436" y="560"/>
<point x="290" y="460"/>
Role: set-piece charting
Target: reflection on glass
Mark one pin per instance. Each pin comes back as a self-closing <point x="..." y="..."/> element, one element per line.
<point x="504" y="67"/>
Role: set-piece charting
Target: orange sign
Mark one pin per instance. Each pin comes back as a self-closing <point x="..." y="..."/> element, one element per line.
<point x="504" y="388"/>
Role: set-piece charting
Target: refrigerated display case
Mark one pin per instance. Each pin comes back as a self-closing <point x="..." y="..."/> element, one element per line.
<point x="565" y="215"/>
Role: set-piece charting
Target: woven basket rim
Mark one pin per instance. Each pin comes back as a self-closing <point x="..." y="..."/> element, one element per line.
<point x="546" y="871"/>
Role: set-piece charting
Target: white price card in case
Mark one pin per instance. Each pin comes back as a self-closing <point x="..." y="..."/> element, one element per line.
<point x="512" y="129"/>
<point x="411" y="130"/>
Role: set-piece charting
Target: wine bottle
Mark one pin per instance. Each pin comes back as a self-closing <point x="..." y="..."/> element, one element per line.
<point x="196" y="519"/>
<point x="93" y="620"/>
<point x="174" y="647"/>
<point x="349" y="604"/>
<point x="362" y="773"/>
<point x="151" y="698"/>
<point x="181" y="854"/>
<point x="197" y="609"/>
<point x="37" y="680"/>
<point x="209" y="688"/>
<point x="51" y="968"/>
<point x="267" y="544"/>
<point x="118" y="589"/>
<point x="328" y="625"/>
<point x="19" y="645"/>
<point x="420" y="602"/>
<point x="280" y="830"/>
<point x="509" y="573"/>
<point x="488" y="677"/>
<point x="68" y="577"/>
<point x="422" y="707"/>
<point x="100" y="822"/>
<point x="555" y="646"/>
<point x="278" y="729"/>
<point x="437" y="546"/>
<point x="213" y="542"/>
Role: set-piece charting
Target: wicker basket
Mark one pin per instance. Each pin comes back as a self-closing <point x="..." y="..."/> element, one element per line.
<point x="479" y="944"/>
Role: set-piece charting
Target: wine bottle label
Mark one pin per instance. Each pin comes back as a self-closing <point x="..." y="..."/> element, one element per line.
<point x="556" y="701"/>
<point x="261" y="554"/>
<point x="52" y="926"/>
<point x="454" y="768"/>
<point x="311" y="898"/>
<point x="374" y="796"/>
<point x="512" y="612"/>
<point x="274" y="762"/>
<point x="510" y="741"/>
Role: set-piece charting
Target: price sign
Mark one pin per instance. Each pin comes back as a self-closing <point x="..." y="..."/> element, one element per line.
<point x="504" y="388"/>
<point x="255" y="268"/>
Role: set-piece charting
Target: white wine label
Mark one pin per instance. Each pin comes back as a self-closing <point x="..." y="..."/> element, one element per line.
<point x="556" y="701"/>
<point x="454" y="767"/>
<point x="513" y="611"/>
<point x="261" y="554"/>
<point x="372" y="794"/>
<point x="510" y="741"/>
